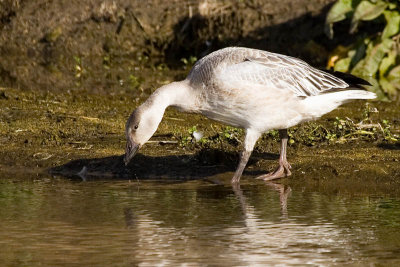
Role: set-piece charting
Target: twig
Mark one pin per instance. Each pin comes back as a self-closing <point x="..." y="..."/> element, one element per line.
<point x="174" y="119"/>
<point x="163" y="142"/>
<point x="369" y="126"/>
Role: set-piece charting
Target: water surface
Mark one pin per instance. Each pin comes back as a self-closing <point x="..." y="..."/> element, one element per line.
<point x="51" y="221"/>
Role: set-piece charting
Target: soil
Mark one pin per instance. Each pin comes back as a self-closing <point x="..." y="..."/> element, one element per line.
<point x="102" y="45"/>
<point x="72" y="71"/>
<point x="81" y="136"/>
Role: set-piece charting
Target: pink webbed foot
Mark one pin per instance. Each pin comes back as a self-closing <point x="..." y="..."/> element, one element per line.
<point x="284" y="167"/>
<point x="282" y="171"/>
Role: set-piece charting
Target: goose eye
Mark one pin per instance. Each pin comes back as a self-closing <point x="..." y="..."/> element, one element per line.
<point x="136" y="126"/>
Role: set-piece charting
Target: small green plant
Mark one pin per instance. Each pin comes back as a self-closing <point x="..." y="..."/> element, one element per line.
<point x="231" y="135"/>
<point x="134" y="81"/>
<point x="162" y="67"/>
<point x="193" y="137"/>
<point x="365" y="129"/>
<point x="373" y="57"/>
<point x="106" y="62"/>
<point x="309" y="134"/>
<point x="342" y="130"/>
<point x="387" y="133"/>
<point x="78" y="67"/>
<point x="336" y="130"/>
<point x="188" y="62"/>
<point x="274" y="134"/>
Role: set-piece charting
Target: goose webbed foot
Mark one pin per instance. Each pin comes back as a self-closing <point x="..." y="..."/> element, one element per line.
<point x="284" y="167"/>
<point x="282" y="171"/>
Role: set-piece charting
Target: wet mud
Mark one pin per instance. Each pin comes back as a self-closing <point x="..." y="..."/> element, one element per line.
<point x="81" y="136"/>
<point x="73" y="81"/>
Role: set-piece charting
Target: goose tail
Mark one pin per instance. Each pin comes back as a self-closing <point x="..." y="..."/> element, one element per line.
<point x="349" y="95"/>
<point x="319" y="105"/>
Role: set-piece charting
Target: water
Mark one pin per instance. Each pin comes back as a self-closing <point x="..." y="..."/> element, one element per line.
<point x="59" y="222"/>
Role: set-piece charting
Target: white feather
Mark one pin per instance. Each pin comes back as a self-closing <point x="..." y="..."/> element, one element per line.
<point x="316" y="106"/>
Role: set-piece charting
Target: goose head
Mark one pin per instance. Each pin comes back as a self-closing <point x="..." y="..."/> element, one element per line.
<point x="140" y="127"/>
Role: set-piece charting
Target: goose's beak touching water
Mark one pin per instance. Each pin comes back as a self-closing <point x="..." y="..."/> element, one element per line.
<point x="252" y="89"/>
<point x="130" y="151"/>
<point x="144" y="121"/>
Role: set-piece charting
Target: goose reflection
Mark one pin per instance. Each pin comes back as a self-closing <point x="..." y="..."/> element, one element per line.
<point x="199" y="224"/>
<point x="283" y="190"/>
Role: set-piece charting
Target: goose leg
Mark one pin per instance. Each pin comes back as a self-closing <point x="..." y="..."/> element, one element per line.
<point x="244" y="158"/>
<point x="249" y="142"/>
<point x="284" y="167"/>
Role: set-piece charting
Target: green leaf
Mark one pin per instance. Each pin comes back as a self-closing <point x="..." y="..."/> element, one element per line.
<point x="375" y="56"/>
<point x="376" y="88"/>
<point x="392" y="6"/>
<point x="358" y="69"/>
<point x="395" y="72"/>
<point x="394" y="77"/>
<point x="359" y="52"/>
<point x="387" y="62"/>
<point x="343" y="64"/>
<point x="366" y="11"/>
<point x="337" y="13"/>
<point x="393" y="24"/>
<point x="387" y="86"/>
<point x="369" y="11"/>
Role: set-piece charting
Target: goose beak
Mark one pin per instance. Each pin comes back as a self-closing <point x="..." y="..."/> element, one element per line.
<point x="130" y="151"/>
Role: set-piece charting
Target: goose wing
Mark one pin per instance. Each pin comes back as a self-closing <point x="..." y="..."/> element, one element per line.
<point x="279" y="72"/>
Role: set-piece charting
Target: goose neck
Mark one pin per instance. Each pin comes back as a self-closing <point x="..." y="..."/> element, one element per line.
<point x="173" y="94"/>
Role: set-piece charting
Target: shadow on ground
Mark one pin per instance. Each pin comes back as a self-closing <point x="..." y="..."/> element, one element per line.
<point x="302" y="36"/>
<point x="389" y="146"/>
<point x="203" y="164"/>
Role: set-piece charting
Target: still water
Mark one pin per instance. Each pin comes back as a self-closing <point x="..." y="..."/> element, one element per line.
<point x="49" y="221"/>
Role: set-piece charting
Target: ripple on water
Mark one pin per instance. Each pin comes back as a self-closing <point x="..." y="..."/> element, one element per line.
<point x="54" y="222"/>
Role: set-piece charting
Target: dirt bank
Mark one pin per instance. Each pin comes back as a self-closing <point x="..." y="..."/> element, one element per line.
<point x="65" y="132"/>
<point x="102" y="45"/>
<point x="85" y="65"/>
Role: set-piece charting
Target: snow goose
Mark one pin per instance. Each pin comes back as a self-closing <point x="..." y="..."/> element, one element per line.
<point x="252" y="89"/>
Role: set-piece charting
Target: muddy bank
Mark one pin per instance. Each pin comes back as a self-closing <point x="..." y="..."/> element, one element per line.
<point x="71" y="133"/>
<point x="102" y="45"/>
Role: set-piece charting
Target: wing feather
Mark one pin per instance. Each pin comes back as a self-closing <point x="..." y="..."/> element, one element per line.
<point x="280" y="72"/>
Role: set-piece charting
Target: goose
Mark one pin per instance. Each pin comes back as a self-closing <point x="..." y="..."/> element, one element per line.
<point x="252" y="89"/>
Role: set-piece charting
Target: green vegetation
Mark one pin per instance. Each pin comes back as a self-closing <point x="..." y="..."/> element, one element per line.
<point x="79" y="70"/>
<point x="134" y="81"/>
<point x="334" y="130"/>
<point x="188" y="62"/>
<point x="342" y="130"/>
<point x="375" y="57"/>
<point x="78" y="125"/>
<point x="227" y="134"/>
<point x="191" y="138"/>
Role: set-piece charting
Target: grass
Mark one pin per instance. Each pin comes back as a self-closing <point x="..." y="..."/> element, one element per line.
<point x="43" y="129"/>
<point x="332" y="130"/>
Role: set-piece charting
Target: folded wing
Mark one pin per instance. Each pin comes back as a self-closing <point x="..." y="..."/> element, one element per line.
<point x="274" y="71"/>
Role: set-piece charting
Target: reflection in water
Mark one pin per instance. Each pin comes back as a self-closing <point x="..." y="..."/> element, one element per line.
<point x="54" y="222"/>
<point x="129" y="218"/>
<point x="284" y="192"/>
